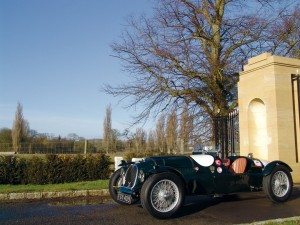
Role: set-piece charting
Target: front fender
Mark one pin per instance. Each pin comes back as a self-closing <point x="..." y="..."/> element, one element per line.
<point x="162" y="169"/>
<point x="270" y="166"/>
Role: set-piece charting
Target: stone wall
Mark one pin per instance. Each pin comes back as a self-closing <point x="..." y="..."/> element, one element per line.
<point x="267" y="124"/>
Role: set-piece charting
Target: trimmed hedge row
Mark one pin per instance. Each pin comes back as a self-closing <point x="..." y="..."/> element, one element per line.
<point x="53" y="169"/>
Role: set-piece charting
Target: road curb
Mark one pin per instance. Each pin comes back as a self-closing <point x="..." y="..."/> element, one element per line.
<point x="273" y="221"/>
<point x="52" y="194"/>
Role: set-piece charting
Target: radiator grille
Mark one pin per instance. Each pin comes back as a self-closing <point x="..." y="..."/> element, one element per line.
<point x="131" y="175"/>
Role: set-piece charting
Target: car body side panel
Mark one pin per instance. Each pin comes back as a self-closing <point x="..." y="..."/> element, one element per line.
<point x="225" y="182"/>
<point x="230" y="182"/>
<point x="203" y="181"/>
<point x="255" y="176"/>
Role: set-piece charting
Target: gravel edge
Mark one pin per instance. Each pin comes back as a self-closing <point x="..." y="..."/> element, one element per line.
<point x="52" y="194"/>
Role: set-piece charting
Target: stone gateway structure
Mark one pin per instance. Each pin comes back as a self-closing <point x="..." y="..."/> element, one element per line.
<point x="269" y="120"/>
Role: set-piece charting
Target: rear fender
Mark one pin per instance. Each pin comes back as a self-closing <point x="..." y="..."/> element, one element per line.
<point x="270" y="166"/>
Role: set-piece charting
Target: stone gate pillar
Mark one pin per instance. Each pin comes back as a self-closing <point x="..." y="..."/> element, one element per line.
<point x="269" y="111"/>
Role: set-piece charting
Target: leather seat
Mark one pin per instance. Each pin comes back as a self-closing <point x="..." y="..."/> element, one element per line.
<point x="238" y="165"/>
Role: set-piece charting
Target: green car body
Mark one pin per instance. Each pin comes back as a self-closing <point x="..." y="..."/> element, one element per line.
<point x="213" y="179"/>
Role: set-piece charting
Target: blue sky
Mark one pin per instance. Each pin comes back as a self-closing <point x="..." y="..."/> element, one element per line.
<point x="54" y="58"/>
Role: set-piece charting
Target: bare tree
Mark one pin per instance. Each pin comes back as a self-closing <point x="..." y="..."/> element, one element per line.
<point x="151" y="141"/>
<point x="20" y="128"/>
<point x="140" y="139"/>
<point x="115" y="134"/>
<point x="190" y="52"/>
<point x="107" y="130"/>
<point x="284" y="35"/>
<point x="171" y="132"/>
<point x="160" y="134"/>
<point x="186" y="129"/>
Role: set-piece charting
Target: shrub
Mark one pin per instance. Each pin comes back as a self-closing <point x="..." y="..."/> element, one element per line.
<point x="53" y="169"/>
<point x="78" y="168"/>
<point x="36" y="171"/>
<point x="2" y="170"/>
<point x="103" y="167"/>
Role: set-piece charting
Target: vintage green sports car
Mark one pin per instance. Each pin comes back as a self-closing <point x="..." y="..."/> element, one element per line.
<point x="161" y="183"/>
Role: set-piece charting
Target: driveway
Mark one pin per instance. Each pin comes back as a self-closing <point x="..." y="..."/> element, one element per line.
<point x="241" y="208"/>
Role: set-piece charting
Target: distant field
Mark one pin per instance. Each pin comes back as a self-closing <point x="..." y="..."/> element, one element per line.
<point x="85" y="185"/>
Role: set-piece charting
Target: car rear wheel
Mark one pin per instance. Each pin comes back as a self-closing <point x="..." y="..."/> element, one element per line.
<point x="162" y="194"/>
<point x="278" y="185"/>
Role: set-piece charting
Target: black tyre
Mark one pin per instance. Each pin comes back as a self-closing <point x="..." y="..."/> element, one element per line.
<point x="163" y="194"/>
<point x="279" y="184"/>
<point x="115" y="181"/>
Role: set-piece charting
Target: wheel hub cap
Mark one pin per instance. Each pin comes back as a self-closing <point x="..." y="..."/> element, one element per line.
<point x="280" y="184"/>
<point x="164" y="196"/>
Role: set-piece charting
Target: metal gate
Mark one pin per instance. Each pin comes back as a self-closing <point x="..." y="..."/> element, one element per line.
<point x="296" y="111"/>
<point x="226" y="133"/>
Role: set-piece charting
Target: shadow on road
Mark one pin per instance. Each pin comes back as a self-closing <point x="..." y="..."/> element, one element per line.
<point x="196" y="204"/>
<point x="296" y="193"/>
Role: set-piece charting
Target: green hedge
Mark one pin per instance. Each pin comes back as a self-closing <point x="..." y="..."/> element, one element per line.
<point x="53" y="169"/>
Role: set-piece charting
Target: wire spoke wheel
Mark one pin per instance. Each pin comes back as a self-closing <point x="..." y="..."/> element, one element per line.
<point x="115" y="182"/>
<point x="280" y="184"/>
<point x="119" y="183"/>
<point x="164" y="196"/>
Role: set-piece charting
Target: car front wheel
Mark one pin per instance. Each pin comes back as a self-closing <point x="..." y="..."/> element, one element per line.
<point x="162" y="194"/>
<point x="278" y="185"/>
<point x="115" y="182"/>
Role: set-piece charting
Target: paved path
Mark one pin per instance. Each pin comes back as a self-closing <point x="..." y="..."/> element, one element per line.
<point x="242" y="208"/>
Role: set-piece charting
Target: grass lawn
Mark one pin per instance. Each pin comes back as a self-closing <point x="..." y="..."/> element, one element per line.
<point x="84" y="185"/>
<point x="291" y="222"/>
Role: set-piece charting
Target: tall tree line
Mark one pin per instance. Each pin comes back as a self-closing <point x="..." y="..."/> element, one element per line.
<point x="20" y="129"/>
<point x="173" y="134"/>
<point x="107" y="130"/>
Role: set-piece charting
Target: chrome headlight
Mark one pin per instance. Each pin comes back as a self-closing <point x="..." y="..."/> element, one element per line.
<point x="141" y="176"/>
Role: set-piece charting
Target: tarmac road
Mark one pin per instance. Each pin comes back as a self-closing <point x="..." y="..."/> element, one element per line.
<point x="241" y="208"/>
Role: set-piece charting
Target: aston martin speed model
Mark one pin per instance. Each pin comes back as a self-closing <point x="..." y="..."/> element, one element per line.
<point x="161" y="183"/>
